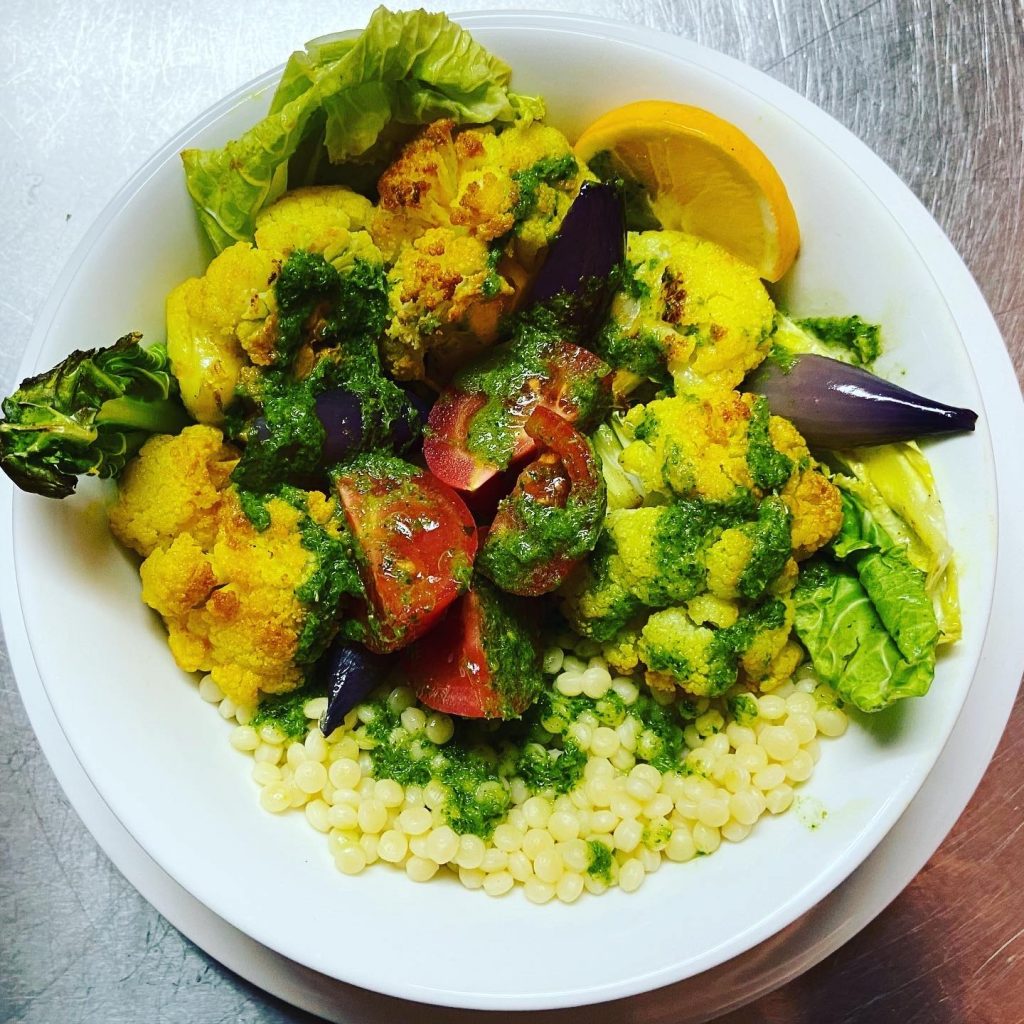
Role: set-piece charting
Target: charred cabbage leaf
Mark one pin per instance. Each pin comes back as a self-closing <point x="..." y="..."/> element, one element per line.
<point x="88" y="415"/>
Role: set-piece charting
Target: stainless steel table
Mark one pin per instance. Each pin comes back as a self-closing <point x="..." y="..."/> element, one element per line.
<point x="89" y="89"/>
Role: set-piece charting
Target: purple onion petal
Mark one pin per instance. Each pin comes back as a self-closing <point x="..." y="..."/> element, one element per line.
<point x="352" y="673"/>
<point x="836" y="405"/>
<point x="341" y="414"/>
<point x="590" y="244"/>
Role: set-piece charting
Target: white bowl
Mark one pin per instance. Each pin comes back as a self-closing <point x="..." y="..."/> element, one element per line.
<point x="160" y="757"/>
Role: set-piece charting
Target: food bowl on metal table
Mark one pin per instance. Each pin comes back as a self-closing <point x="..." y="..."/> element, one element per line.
<point x="160" y="759"/>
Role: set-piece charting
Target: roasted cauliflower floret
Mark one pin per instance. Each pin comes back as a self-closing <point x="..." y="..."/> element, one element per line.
<point x="446" y="300"/>
<point x="460" y="215"/>
<point x="322" y="218"/>
<point x="176" y="488"/>
<point x="217" y="322"/>
<point x="226" y="320"/>
<point x="691" y="309"/>
<point x="252" y="603"/>
<point x="705" y="660"/>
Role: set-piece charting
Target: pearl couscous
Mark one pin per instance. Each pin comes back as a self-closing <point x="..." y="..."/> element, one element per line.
<point x="741" y="757"/>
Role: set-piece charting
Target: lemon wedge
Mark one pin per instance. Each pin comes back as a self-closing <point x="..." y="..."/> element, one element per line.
<point x="702" y="175"/>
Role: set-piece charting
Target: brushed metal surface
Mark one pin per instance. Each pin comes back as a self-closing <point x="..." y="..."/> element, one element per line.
<point x="89" y="89"/>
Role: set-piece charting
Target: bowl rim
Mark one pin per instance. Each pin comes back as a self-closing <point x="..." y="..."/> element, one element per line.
<point x="914" y="221"/>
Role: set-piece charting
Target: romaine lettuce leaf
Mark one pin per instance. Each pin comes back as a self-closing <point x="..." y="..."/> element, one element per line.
<point x="849" y="645"/>
<point x="895" y="483"/>
<point x="409" y="67"/>
<point x="867" y="622"/>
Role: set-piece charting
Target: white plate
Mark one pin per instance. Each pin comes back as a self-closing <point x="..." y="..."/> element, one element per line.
<point x="161" y="762"/>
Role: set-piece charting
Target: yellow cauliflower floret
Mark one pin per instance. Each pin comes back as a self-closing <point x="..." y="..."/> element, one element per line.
<point x="322" y="218"/>
<point x="174" y="486"/>
<point x="622" y="653"/>
<point x="708" y="312"/>
<point x="226" y="591"/>
<point x="712" y="610"/>
<point x="217" y="322"/>
<point x="678" y="652"/>
<point x="691" y="446"/>
<point x="761" y="659"/>
<point x="436" y="290"/>
<point x="461" y="214"/>
<point x="727" y="559"/>
<point x="231" y="609"/>
<point x="780" y="667"/>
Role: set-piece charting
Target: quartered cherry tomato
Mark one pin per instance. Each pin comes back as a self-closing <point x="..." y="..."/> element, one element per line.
<point x="553" y="516"/>
<point x="574" y="383"/>
<point x="480" y="661"/>
<point x="415" y="542"/>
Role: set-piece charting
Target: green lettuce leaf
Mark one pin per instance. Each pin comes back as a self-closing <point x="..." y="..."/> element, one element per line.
<point x="849" y="645"/>
<point x="868" y="622"/>
<point x="340" y="95"/>
<point x="895" y="483"/>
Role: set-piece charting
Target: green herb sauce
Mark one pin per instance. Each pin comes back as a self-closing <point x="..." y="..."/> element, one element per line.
<point x="550" y="170"/>
<point x="601" y="861"/>
<point x="769" y="468"/>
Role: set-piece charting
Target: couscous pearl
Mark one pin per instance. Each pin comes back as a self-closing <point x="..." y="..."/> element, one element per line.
<point x="594" y="884"/>
<point x="498" y="884"/>
<point x="276" y="797"/>
<point x="389" y="793"/>
<point x="537" y="891"/>
<point x="627" y="733"/>
<point x="310" y="777"/>
<point x="582" y="734"/>
<point x="343" y="816"/>
<point x="631" y="875"/>
<point x="751" y="756"/>
<point x="316" y="745"/>
<point x="681" y="846"/>
<point x="705" y="838"/>
<point x="623" y="806"/>
<point x="814" y="749"/>
<point x="317" y="814"/>
<point x="210" y="691"/>
<point x="439" y="729"/>
<point x="400" y="698"/>
<point x="413" y="720"/>
<point x="830" y="721"/>
<point x="602" y="822"/>
<point x="471" y="878"/>
<point x="802" y="726"/>
<point x="264" y="774"/>
<point x="507" y="838"/>
<point x="268" y="753"/>
<point x="434" y="794"/>
<point x="598" y="792"/>
<point x="734" y="831"/>
<point x="771" y="707"/>
<point x="575" y="854"/>
<point x="315" y="708"/>
<point x="626" y="689"/>
<point x="243" y="737"/>
<point x="569" y="684"/>
<point x="770" y="777"/>
<point x="471" y="852"/>
<point x="779" y="743"/>
<point x="393" y="846"/>
<point x="421" y="869"/>
<point x="800" y="767"/>
<point x="350" y="860"/>
<point x="801" y="703"/>
<point x="743" y="806"/>
<point x="537" y="811"/>
<point x="713" y="813"/>
<point x="563" y="826"/>
<point x="415" y="820"/>
<point x="295" y="754"/>
<point x="659" y="806"/>
<point x="641" y="790"/>
<point x="596" y="682"/>
<point x="548" y="866"/>
<point x="552" y="660"/>
<point x="535" y="841"/>
<point x="605" y="741"/>
<point x="569" y="887"/>
<point x="738" y="735"/>
<point x="442" y="844"/>
<point x="627" y="835"/>
<point x="418" y="846"/>
<point x="518" y="864"/>
<point x="373" y="815"/>
<point x="779" y="799"/>
<point x="298" y="797"/>
<point x="346" y="796"/>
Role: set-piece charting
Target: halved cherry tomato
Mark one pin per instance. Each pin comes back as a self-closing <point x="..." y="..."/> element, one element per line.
<point x="480" y="661"/>
<point x="553" y="516"/>
<point x="575" y="383"/>
<point x="415" y="542"/>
